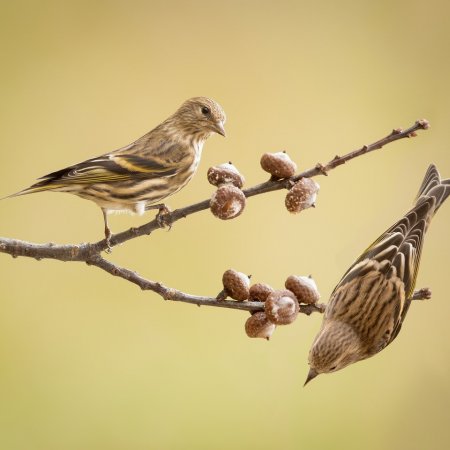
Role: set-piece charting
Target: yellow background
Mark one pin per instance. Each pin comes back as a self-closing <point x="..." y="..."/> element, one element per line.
<point x="88" y="361"/>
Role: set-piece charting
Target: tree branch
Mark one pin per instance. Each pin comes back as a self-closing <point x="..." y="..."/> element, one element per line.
<point x="177" y="296"/>
<point x="91" y="252"/>
<point x="421" y="294"/>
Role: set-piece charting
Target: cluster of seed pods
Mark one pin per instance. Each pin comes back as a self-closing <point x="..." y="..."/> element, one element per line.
<point x="228" y="201"/>
<point x="281" y="306"/>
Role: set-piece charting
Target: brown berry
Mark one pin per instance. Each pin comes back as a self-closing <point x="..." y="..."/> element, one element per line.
<point x="227" y="202"/>
<point x="225" y="174"/>
<point x="259" y="326"/>
<point x="281" y="307"/>
<point x="236" y="284"/>
<point x="302" y="195"/>
<point x="279" y="165"/>
<point x="304" y="288"/>
<point x="259" y="292"/>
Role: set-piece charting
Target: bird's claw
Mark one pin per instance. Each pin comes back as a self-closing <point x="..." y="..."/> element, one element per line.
<point x="164" y="217"/>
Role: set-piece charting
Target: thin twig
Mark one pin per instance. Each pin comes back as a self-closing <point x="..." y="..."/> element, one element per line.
<point x="422" y="294"/>
<point x="91" y="252"/>
<point x="177" y="296"/>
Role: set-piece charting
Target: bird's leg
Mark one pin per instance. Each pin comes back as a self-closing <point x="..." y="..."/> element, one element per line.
<point x="108" y="233"/>
<point x="163" y="217"/>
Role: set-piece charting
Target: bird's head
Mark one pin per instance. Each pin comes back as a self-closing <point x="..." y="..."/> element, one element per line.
<point x="201" y="116"/>
<point x="335" y="347"/>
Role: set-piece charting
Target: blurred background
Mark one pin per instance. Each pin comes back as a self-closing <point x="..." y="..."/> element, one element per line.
<point x="88" y="361"/>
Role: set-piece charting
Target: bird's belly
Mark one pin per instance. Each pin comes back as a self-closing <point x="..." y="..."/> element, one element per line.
<point x="371" y="306"/>
<point x="132" y="196"/>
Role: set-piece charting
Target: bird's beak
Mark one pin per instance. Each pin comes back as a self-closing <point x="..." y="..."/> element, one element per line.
<point x="311" y="374"/>
<point x="219" y="128"/>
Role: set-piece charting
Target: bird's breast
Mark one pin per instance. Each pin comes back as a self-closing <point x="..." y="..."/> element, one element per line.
<point x="371" y="304"/>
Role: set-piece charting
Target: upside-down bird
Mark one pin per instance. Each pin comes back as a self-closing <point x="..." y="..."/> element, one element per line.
<point x="368" y="306"/>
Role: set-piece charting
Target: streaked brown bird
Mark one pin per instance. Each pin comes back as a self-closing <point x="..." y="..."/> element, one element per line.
<point x="368" y="306"/>
<point x="134" y="178"/>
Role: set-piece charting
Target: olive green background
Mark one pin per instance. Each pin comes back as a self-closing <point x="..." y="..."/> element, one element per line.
<point x="88" y="361"/>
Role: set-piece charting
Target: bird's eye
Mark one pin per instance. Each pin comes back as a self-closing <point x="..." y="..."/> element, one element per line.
<point x="205" y="110"/>
<point x="333" y="368"/>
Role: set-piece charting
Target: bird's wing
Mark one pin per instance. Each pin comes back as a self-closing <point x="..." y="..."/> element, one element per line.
<point x="121" y="165"/>
<point x="400" y="245"/>
<point x="109" y="168"/>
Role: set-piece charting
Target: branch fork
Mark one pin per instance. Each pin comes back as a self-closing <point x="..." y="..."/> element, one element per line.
<point x="90" y="253"/>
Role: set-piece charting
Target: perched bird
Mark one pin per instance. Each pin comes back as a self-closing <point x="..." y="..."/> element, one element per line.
<point x="368" y="306"/>
<point x="134" y="178"/>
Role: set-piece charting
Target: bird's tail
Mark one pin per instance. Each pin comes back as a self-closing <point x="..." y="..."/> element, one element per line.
<point x="433" y="187"/>
<point x="401" y="244"/>
<point x="37" y="187"/>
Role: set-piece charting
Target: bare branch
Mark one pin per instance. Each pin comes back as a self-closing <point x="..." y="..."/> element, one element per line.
<point x="177" y="296"/>
<point x="69" y="252"/>
<point x="422" y="294"/>
<point x="91" y="252"/>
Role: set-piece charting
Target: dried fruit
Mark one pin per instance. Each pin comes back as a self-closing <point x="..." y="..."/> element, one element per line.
<point x="279" y="165"/>
<point x="227" y="202"/>
<point x="281" y="307"/>
<point x="225" y="174"/>
<point x="259" y="292"/>
<point x="259" y="326"/>
<point x="304" y="288"/>
<point x="302" y="195"/>
<point x="236" y="284"/>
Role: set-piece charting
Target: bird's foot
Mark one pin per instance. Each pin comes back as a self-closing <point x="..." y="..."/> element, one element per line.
<point x="164" y="216"/>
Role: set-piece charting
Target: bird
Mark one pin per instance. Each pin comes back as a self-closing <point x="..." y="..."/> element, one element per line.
<point x="136" y="177"/>
<point x="367" y="308"/>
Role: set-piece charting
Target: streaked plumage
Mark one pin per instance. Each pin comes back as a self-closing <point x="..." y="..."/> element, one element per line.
<point x="368" y="306"/>
<point x="135" y="177"/>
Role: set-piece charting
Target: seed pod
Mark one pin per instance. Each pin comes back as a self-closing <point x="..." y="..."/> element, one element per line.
<point x="259" y="326"/>
<point x="281" y="307"/>
<point x="279" y="165"/>
<point x="236" y="284"/>
<point x="227" y="202"/>
<point x="259" y="292"/>
<point x="304" y="288"/>
<point x="225" y="174"/>
<point x="302" y="195"/>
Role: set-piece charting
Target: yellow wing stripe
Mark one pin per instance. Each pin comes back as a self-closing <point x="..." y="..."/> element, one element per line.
<point x="128" y="165"/>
